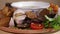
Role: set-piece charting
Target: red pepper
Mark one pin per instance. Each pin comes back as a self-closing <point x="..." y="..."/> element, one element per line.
<point x="35" y="26"/>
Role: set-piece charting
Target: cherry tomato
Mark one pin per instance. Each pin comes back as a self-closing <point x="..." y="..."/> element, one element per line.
<point x="35" y="26"/>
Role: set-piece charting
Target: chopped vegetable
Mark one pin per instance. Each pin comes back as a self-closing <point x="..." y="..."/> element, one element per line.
<point x="50" y="19"/>
<point x="50" y="9"/>
<point x="53" y="7"/>
<point x="46" y="24"/>
<point x="56" y="27"/>
<point x="57" y="23"/>
<point x="54" y="22"/>
<point x="35" y="26"/>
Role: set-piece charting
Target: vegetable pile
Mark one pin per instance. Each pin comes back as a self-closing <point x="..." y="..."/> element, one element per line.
<point x="53" y="22"/>
<point x="40" y="19"/>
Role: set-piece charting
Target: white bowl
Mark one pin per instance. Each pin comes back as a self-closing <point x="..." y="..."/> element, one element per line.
<point x="30" y="4"/>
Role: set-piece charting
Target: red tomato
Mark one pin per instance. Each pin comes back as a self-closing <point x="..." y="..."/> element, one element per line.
<point x="35" y="26"/>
